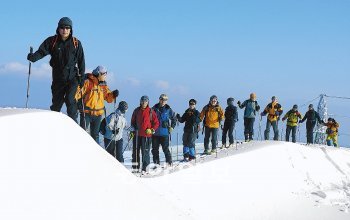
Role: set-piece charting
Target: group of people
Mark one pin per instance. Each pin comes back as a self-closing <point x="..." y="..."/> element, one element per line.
<point x="151" y="127"/>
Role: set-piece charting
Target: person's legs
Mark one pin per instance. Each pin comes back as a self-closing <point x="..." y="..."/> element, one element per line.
<point x="267" y="130"/>
<point x="275" y="130"/>
<point x="72" y="107"/>
<point x="164" y="141"/>
<point x="288" y="129"/>
<point x="155" y="149"/>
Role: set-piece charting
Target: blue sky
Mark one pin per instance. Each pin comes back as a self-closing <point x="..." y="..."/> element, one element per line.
<point x="295" y="50"/>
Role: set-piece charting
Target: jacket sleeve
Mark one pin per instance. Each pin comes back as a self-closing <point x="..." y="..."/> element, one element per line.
<point x="107" y="94"/>
<point x="81" y="59"/>
<point x="172" y="118"/>
<point x="44" y="49"/>
<point x="133" y="119"/>
<point x="318" y="118"/>
<point x="221" y="114"/>
<point x="202" y="114"/>
<point x="235" y="114"/>
<point x="155" y="121"/>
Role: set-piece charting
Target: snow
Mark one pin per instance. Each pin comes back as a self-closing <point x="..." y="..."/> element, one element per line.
<point x="50" y="168"/>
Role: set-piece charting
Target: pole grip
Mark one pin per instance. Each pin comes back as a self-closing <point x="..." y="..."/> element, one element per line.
<point x="31" y="49"/>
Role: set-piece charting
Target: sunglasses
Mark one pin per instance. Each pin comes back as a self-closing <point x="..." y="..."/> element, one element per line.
<point x="102" y="74"/>
<point x="192" y="104"/>
<point x="65" y="27"/>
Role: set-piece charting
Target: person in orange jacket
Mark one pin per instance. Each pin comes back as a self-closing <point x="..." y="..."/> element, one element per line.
<point x="332" y="132"/>
<point x="91" y="99"/>
<point x="212" y="114"/>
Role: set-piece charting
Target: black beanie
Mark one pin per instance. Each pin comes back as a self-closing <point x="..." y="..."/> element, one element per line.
<point x="65" y="21"/>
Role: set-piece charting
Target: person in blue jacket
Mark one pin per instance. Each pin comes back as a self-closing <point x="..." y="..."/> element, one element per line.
<point x="167" y="122"/>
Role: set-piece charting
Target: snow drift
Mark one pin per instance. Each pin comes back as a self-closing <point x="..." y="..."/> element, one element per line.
<point x="50" y="168"/>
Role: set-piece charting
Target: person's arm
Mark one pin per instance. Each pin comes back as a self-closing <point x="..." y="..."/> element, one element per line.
<point x="172" y="118"/>
<point x="81" y="59"/>
<point x="44" y="49"/>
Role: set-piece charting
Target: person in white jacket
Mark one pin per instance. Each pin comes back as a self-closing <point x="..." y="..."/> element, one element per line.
<point x="113" y="138"/>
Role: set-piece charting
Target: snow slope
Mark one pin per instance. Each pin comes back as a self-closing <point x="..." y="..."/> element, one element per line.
<point x="51" y="169"/>
<point x="265" y="180"/>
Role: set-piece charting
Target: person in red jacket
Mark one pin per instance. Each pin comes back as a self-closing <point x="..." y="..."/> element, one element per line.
<point x="144" y="121"/>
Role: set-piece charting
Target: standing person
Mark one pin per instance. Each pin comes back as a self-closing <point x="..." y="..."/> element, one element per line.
<point x="144" y="121"/>
<point x="231" y="117"/>
<point x="274" y="111"/>
<point x="211" y="115"/>
<point x="192" y="120"/>
<point x="68" y="65"/>
<point x="312" y="117"/>
<point x="293" y="117"/>
<point x="332" y="132"/>
<point x="251" y="107"/>
<point x="167" y="123"/>
<point x="93" y="94"/>
<point x="115" y="125"/>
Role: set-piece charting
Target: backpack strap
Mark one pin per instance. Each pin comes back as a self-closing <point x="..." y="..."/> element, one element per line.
<point x="54" y="41"/>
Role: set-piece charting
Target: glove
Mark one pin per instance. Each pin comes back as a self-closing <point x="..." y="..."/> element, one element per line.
<point x="116" y="93"/>
<point x="257" y="108"/>
<point x="283" y="119"/>
<point x="170" y="129"/>
<point x="222" y="127"/>
<point x="149" y="131"/>
<point x="239" y="103"/>
<point x="178" y="116"/>
<point x="262" y="114"/>
<point x="30" y="57"/>
<point x="116" y="131"/>
<point x="131" y="135"/>
<point x="277" y="113"/>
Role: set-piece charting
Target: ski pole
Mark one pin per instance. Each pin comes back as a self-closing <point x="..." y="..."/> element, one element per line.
<point x="236" y="138"/>
<point x="171" y="149"/>
<point x="29" y="72"/>
<point x="177" y="141"/>
<point x="115" y="130"/>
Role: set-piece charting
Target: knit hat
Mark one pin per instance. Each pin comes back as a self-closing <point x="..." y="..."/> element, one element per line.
<point x="273" y="98"/>
<point x="213" y="97"/>
<point x="192" y="101"/>
<point x="230" y="101"/>
<point x="123" y="106"/>
<point x="163" y="97"/>
<point x="295" y="106"/>
<point x="311" y="106"/>
<point x="98" y="70"/>
<point x="144" y="98"/>
<point x="65" y="21"/>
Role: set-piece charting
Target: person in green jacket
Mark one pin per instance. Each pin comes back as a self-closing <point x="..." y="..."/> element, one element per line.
<point x="292" y="117"/>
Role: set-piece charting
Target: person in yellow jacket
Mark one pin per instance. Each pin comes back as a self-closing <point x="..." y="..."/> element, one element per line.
<point x="211" y="115"/>
<point x="274" y="111"/>
<point x="293" y="117"/>
<point x="332" y="132"/>
<point x="91" y="99"/>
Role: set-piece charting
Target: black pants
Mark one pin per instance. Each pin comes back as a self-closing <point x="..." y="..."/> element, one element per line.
<point x="115" y="148"/>
<point x="64" y="92"/>
<point x="142" y="144"/>
<point x="164" y="142"/>
<point x="228" y="129"/>
<point x="249" y="128"/>
<point x="214" y="137"/>
<point x="294" y="131"/>
<point x="310" y="125"/>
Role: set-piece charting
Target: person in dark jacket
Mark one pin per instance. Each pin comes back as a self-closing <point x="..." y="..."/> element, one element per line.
<point x="192" y="120"/>
<point x="251" y="107"/>
<point x="167" y="123"/>
<point x="68" y="65"/>
<point x="231" y="117"/>
<point x="144" y="122"/>
<point x="312" y="117"/>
